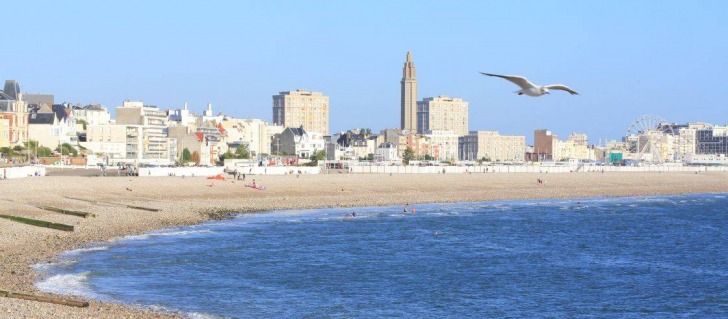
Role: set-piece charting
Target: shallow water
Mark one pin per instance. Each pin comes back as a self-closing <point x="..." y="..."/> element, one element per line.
<point x="601" y="257"/>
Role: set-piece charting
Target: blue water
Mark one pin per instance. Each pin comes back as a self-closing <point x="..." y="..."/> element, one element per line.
<point x="642" y="257"/>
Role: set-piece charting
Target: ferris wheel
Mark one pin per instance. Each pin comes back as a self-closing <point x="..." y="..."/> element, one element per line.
<point x="652" y="139"/>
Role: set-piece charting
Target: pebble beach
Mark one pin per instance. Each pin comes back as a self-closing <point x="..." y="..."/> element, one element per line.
<point x="186" y="201"/>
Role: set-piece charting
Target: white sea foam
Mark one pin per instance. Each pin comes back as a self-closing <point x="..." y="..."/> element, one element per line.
<point x="199" y="315"/>
<point x="84" y="250"/>
<point x="68" y="284"/>
<point x="164" y="234"/>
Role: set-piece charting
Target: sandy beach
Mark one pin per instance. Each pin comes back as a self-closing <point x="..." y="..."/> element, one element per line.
<point x="185" y="201"/>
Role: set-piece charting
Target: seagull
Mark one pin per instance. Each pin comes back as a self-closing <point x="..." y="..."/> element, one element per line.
<point x="529" y="88"/>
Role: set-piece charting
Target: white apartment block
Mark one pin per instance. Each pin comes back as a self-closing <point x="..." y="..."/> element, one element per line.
<point x="146" y="134"/>
<point x="108" y="140"/>
<point x="442" y="113"/>
<point x="492" y="146"/>
<point x="443" y="144"/>
<point x="93" y="114"/>
<point x="302" y="108"/>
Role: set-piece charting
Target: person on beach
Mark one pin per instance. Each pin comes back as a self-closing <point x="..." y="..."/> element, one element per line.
<point x="253" y="185"/>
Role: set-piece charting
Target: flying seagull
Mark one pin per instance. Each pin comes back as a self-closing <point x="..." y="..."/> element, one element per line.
<point x="529" y="88"/>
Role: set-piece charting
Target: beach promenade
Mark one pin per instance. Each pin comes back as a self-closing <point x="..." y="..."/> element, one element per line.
<point x="184" y="201"/>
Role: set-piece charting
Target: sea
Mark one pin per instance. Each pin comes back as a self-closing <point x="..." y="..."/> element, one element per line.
<point x="626" y="257"/>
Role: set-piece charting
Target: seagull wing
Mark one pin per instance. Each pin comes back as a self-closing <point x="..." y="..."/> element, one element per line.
<point x="517" y="80"/>
<point x="560" y="87"/>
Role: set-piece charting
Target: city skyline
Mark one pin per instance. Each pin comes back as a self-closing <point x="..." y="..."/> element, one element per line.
<point x="626" y="59"/>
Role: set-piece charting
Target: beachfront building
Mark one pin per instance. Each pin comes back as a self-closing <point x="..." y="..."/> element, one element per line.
<point x="147" y="138"/>
<point x="4" y="132"/>
<point x="52" y="126"/>
<point x="574" y="148"/>
<point x="443" y="145"/>
<point x="302" y="109"/>
<point x="107" y="140"/>
<point x="492" y="147"/>
<point x="253" y="133"/>
<point x="408" y="96"/>
<point x="15" y="111"/>
<point x="298" y="142"/>
<point x="442" y="113"/>
<point x="543" y="145"/>
<point x="92" y="114"/>
<point x="548" y="147"/>
<point x="204" y="145"/>
<point x="352" y="145"/>
<point x="387" y="152"/>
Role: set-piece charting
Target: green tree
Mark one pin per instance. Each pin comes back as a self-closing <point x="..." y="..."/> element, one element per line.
<point x="195" y="157"/>
<point x="242" y="152"/>
<point x="318" y="156"/>
<point x="7" y="151"/>
<point x="67" y="149"/>
<point x="43" y="152"/>
<point x="186" y="156"/>
<point x="409" y="154"/>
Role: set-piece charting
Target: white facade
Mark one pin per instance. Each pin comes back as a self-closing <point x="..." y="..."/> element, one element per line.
<point x="183" y="117"/>
<point x="92" y="115"/>
<point x="442" y="113"/>
<point x="251" y="132"/>
<point x="386" y="152"/>
<point x="493" y="147"/>
<point x="446" y="144"/>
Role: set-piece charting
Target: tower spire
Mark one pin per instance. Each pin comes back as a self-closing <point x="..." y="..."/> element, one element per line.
<point x="408" y="96"/>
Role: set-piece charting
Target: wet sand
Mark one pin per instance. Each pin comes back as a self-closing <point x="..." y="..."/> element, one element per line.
<point x="185" y="201"/>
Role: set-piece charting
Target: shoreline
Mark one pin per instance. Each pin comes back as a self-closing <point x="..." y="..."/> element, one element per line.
<point x="188" y="201"/>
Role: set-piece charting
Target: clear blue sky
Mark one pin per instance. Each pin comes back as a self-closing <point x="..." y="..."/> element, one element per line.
<point x="626" y="58"/>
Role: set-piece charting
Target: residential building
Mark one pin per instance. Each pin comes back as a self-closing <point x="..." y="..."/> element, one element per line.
<point x="147" y="139"/>
<point x="442" y="113"/>
<point x="92" y="114"/>
<point x="298" y="142"/>
<point x="107" y="140"/>
<point x="353" y="145"/>
<point x="444" y="145"/>
<point x="543" y="144"/>
<point x="4" y="132"/>
<point x="252" y="133"/>
<point x="492" y="146"/>
<point x="408" y="95"/>
<point x="575" y="148"/>
<point x="15" y="111"/>
<point x="183" y="117"/>
<point x="302" y="108"/>
<point x="712" y="140"/>
<point x="52" y="126"/>
<point x="387" y="152"/>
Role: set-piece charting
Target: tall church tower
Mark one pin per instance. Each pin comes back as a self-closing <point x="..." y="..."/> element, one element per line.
<point x="409" y="96"/>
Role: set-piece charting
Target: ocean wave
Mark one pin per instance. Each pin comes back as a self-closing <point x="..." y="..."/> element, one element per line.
<point x="199" y="315"/>
<point x="84" y="250"/>
<point x="164" y="234"/>
<point x="68" y="284"/>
